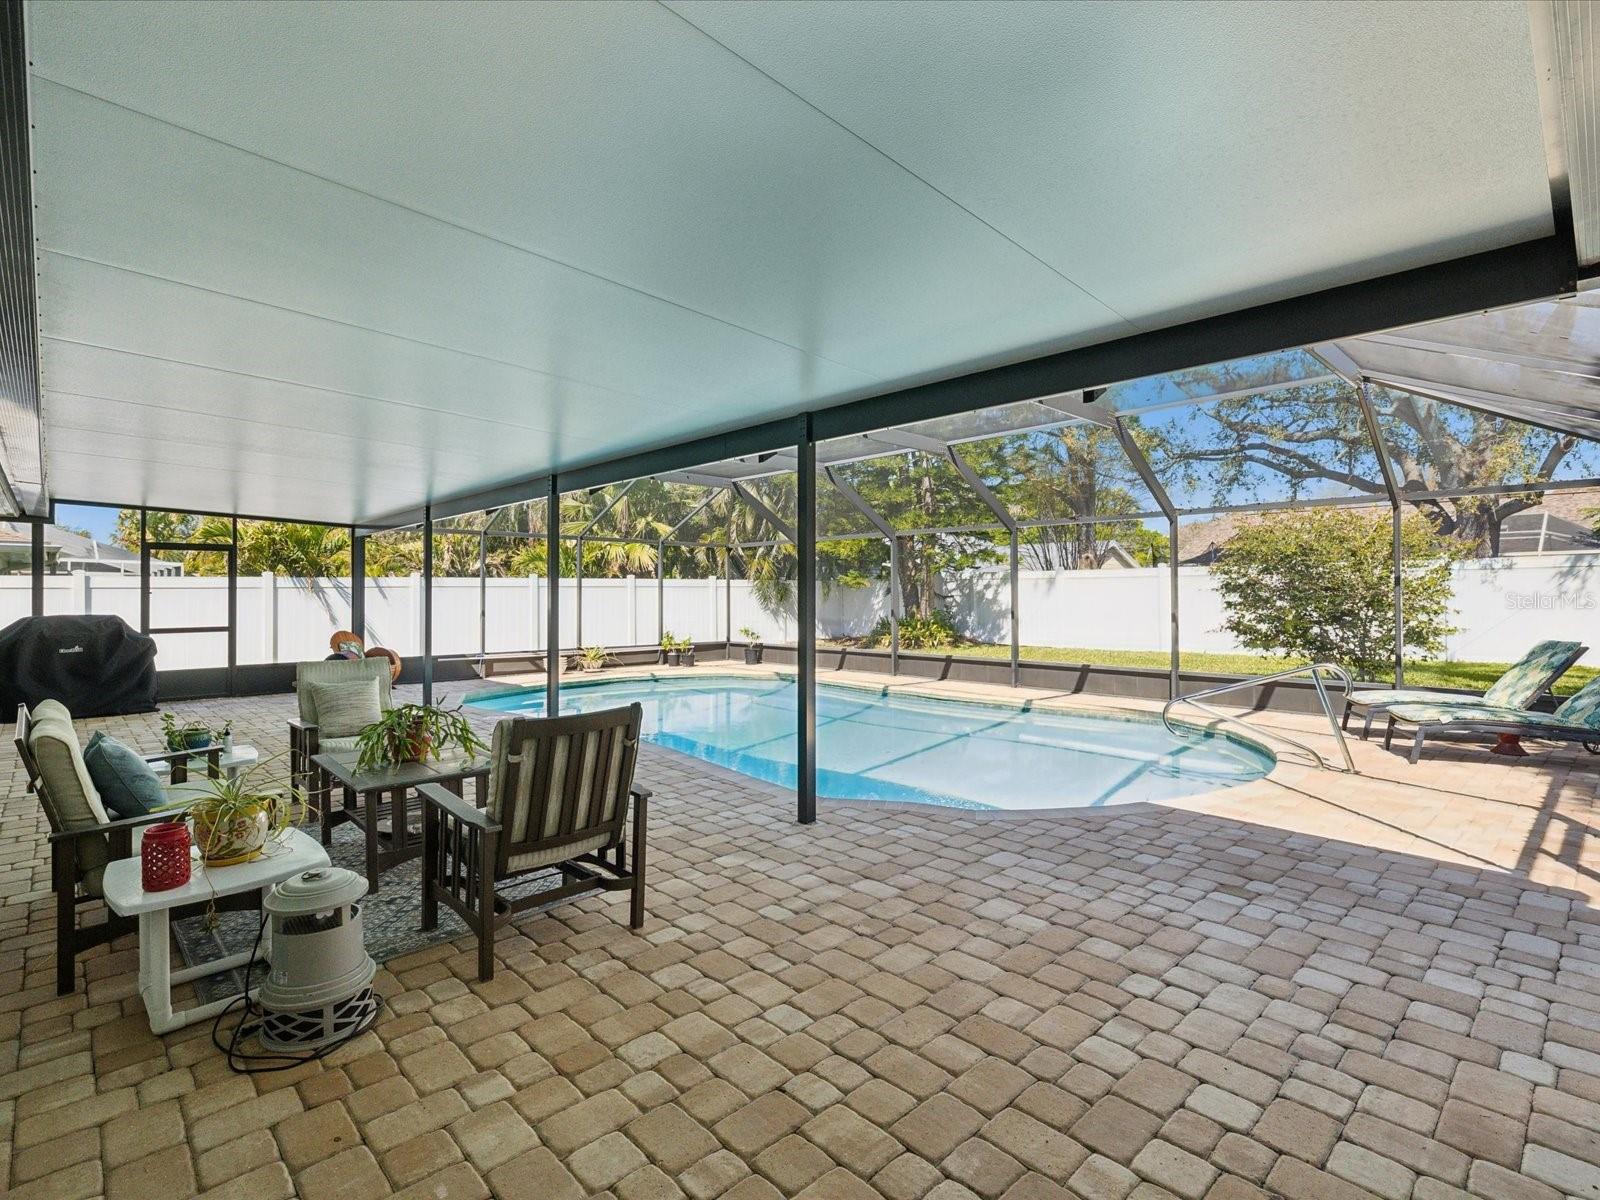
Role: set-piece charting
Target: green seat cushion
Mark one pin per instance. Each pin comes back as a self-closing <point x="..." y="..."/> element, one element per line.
<point x="127" y="785"/>
<point x="1582" y="707"/>
<point x="1531" y="675"/>
<point x="1388" y="697"/>
<point x="345" y="708"/>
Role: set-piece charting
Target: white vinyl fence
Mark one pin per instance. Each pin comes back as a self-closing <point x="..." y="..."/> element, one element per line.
<point x="1501" y="606"/>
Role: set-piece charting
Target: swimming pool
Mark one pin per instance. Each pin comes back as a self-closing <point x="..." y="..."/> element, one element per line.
<point x="872" y="746"/>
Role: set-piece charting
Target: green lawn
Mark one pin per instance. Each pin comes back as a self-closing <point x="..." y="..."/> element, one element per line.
<point x="1474" y="675"/>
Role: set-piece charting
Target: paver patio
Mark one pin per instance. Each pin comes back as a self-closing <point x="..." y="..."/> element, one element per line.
<point x="1313" y="986"/>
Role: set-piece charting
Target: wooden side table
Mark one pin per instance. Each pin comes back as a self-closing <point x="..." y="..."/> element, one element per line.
<point x="368" y="797"/>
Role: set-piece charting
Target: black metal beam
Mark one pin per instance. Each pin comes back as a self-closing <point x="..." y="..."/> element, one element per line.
<point x="36" y="566"/>
<point x="1496" y="278"/>
<point x="805" y="550"/>
<point x="19" y="315"/>
<point x="427" y="605"/>
<point x="552" y="598"/>
<point x="358" y="583"/>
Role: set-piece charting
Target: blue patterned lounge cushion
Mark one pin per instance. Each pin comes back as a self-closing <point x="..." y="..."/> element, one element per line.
<point x="127" y="785"/>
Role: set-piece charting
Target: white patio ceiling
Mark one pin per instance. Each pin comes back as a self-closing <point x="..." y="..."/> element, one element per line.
<point x="336" y="260"/>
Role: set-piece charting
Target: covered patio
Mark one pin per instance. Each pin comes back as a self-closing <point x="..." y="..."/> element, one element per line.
<point x="827" y="329"/>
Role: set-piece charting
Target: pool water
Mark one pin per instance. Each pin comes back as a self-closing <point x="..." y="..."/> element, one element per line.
<point x="872" y="746"/>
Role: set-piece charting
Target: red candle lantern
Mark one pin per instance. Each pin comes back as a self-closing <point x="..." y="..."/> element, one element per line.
<point x="164" y="856"/>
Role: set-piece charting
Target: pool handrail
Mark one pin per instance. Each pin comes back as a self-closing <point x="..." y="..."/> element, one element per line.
<point x="1314" y="670"/>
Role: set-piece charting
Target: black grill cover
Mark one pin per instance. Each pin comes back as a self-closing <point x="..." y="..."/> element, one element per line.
<point x="96" y="666"/>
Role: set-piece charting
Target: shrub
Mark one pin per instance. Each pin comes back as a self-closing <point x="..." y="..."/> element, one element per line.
<point x="1318" y="584"/>
<point x="918" y="633"/>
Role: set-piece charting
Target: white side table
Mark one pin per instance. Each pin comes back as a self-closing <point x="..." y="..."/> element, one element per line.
<point x="125" y="895"/>
<point x="232" y="762"/>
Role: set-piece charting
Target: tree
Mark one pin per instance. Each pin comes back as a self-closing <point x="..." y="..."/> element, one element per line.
<point x="1318" y="584"/>
<point x="1077" y="473"/>
<point x="1307" y="440"/>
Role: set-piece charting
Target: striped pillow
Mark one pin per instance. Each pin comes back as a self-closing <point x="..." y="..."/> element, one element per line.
<point x="345" y="709"/>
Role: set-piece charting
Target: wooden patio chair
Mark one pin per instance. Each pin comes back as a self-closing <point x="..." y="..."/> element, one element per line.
<point x="306" y="739"/>
<point x="83" y="838"/>
<point x="558" y="799"/>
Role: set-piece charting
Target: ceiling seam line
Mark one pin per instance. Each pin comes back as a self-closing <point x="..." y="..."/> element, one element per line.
<point x="69" y="341"/>
<point x="343" y="324"/>
<point x="887" y="157"/>
<point x="466" y="229"/>
<point x="300" y="455"/>
<point x="288" y="383"/>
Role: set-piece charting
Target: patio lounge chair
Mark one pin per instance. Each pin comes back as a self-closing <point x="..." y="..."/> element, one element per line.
<point x="1577" y="720"/>
<point x="558" y="795"/>
<point x="83" y="839"/>
<point x="305" y="736"/>
<point x="1524" y="682"/>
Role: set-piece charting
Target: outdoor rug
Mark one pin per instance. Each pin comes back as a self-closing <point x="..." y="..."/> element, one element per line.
<point x="390" y="921"/>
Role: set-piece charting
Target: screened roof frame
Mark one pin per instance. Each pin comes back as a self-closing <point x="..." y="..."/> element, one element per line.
<point x="943" y="437"/>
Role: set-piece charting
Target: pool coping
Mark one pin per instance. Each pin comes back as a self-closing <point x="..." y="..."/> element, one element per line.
<point x="1050" y="706"/>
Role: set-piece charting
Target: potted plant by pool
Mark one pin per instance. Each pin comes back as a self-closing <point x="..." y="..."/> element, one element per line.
<point x="236" y="817"/>
<point x="686" y="651"/>
<point x="752" y="646"/>
<point x="592" y="658"/>
<point x="415" y="733"/>
<point x="670" y="653"/>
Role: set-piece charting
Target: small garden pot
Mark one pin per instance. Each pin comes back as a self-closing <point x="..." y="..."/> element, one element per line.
<point x="239" y="840"/>
<point x="674" y="657"/>
<point x="417" y="746"/>
<point x="688" y="658"/>
<point x="752" y="656"/>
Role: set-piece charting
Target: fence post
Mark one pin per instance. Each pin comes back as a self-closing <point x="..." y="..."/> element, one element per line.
<point x="80" y="592"/>
<point x="419" y="613"/>
<point x="633" y="610"/>
<point x="269" y="617"/>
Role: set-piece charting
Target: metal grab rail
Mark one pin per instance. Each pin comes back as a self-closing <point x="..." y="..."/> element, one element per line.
<point x="1315" y="671"/>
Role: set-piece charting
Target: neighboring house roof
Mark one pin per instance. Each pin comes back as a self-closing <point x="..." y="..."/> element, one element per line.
<point x="72" y="551"/>
<point x="1560" y="524"/>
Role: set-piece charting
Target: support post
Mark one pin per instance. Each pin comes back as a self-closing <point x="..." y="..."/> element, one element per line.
<point x="36" y="553"/>
<point x="806" y="614"/>
<point x="1391" y="485"/>
<point x="894" y="604"/>
<point x="552" y="600"/>
<point x="427" y="604"/>
<point x="1175" y="672"/>
<point x="1016" y="630"/>
<point x="727" y="601"/>
<point x="358" y="583"/>
<point x="1399" y="600"/>
<point x="483" y="595"/>
<point x="233" y="609"/>
<point x="661" y="591"/>
<point x="144" y="571"/>
<point x="577" y="587"/>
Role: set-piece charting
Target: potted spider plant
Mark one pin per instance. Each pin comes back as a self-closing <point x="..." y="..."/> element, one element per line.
<point x="415" y="733"/>
<point x="671" y="654"/>
<point x="753" y="648"/>
<point x="236" y="816"/>
<point x="592" y="658"/>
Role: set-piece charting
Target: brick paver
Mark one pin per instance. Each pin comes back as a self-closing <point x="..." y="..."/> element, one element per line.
<point x="1313" y="986"/>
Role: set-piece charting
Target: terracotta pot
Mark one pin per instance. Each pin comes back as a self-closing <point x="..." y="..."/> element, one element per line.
<point x="418" y="744"/>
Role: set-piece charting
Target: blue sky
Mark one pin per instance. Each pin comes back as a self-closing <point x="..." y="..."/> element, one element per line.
<point x="97" y="520"/>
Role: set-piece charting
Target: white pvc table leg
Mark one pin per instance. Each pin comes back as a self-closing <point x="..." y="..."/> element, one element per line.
<point x="156" y="975"/>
